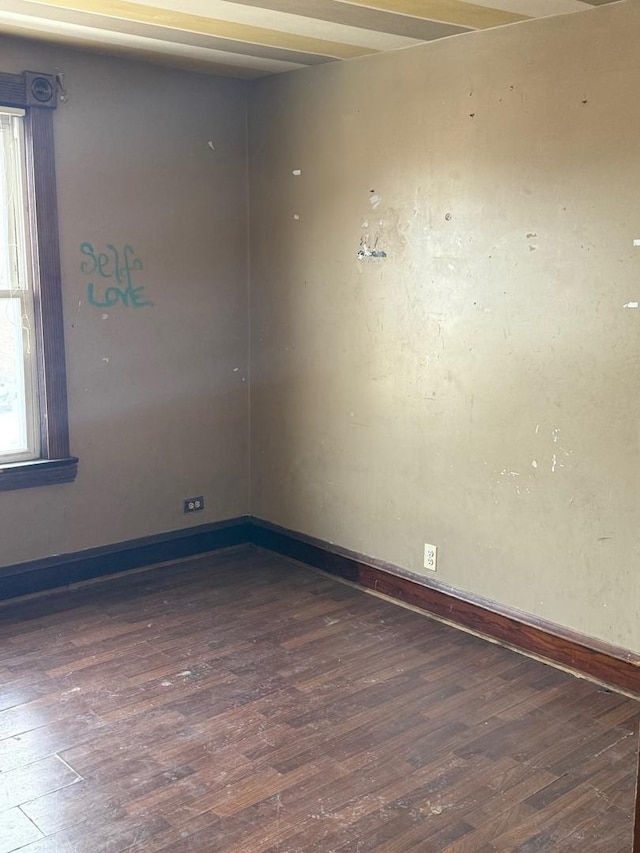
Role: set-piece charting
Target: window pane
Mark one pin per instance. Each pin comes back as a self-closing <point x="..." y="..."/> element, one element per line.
<point x="15" y="416"/>
<point x="12" y="224"/>
<point x="18" y="397"/>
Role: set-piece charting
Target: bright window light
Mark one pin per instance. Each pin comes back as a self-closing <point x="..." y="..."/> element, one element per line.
<point x="19" y="415"/>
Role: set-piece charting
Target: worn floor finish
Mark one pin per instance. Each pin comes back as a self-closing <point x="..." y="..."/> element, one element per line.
<point x="242" y="703"/>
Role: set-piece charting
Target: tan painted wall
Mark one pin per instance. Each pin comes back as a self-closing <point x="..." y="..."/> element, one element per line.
<point x="479" y="388"/>
<point x="157" y="395"/>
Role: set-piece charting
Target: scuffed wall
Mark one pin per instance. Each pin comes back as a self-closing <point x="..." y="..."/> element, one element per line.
<point x="156" y="361"/>
<point x="476" y="384"/>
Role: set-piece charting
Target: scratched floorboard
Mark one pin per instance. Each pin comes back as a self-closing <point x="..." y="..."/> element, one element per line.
<point x="245" y="704"/>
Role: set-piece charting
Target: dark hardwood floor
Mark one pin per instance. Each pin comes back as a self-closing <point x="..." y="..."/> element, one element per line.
<point x="241" y="702"/>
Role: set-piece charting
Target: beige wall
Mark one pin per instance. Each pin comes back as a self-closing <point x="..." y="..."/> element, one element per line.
<point x="478" y="388"/>
<point x="157" y="395"/>
<point x="394" y="401"/>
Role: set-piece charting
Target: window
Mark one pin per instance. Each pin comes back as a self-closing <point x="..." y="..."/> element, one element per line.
<point x="19" y="409"/>
<point x="34" y="443"/>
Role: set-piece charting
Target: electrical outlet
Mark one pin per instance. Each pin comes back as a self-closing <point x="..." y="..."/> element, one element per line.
<point x="193" y="504"/>
<point x="430" y="557"/>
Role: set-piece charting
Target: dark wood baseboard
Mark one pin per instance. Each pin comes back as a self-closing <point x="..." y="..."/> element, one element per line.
<point x="617" y="667"/>
<point x="51" y="572"/>
<point x="608" y="664"/>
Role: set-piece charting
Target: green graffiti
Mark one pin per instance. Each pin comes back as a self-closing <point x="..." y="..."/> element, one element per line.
<point x="118" y="266"/>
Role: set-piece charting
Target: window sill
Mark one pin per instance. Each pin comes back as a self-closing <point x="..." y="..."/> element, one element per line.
<point x="39" y="472"/>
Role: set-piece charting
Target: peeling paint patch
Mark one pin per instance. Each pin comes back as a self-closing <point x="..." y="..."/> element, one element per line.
<point x="295" y="216"/>
<point x="374" y="199"/>
<point x="631" y="305"/>
<point x="514" y="477"/>
<point x="534" y="464"/>
<point x="296" y="172"/>
<point x="365" y="251"/>
<point x="554" y="462"/>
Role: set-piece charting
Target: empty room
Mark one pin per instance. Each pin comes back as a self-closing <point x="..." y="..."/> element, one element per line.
<point x="319" y="426"/>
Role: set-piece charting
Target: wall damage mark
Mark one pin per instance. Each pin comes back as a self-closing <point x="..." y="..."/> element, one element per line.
<point x="556" y="460"/>
<point x="63" y="95"/>
<point x="631" y="305"/>
<point x="515" y="478"/>
<point x="365" y="251"/>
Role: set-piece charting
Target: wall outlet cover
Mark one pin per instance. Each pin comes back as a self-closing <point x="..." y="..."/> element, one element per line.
<point x="430" y="557"/>
<point x="193" y="504"/>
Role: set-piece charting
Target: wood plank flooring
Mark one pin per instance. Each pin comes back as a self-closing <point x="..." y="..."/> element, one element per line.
<point x="243" y="703"/>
